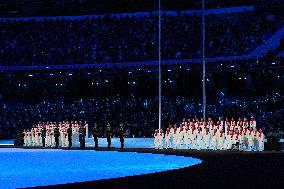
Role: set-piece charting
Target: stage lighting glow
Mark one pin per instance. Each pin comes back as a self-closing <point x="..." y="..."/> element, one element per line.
<point x="29" y="168"/>
<point x="51" y="74"/>
<point x="169" y="70"/>
<point x="232" y="66"/>
<point x="273" y="63"/>
<point x="31" y="75"/>
<point x="70" y="74"/>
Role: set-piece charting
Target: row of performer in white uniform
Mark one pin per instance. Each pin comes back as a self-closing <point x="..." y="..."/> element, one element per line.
<point x="220" y="135"/>
<point x="34" y="137"/>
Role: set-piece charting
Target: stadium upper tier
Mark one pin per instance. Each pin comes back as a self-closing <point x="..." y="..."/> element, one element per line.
<point x="113" y="39"/>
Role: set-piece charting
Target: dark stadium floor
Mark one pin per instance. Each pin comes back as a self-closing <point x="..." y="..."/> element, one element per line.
<point x="219" y="169"/>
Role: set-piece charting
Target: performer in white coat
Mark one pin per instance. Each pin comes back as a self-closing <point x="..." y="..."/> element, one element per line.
<point x="36" y="140"/>
<point x="261" y="140"/>
<point x="245" y="123"/>
<point x="220" y="140"/>
<point x="214" y="140"/>
<point x="181" y="136"/>
<point x="221" y="122"/>
<point x="175" y="136"/>
<point x="250" y="139"/>
<point x="206" y="139"/>
<point x="245" y="138"/>
<point x="30" y="142"/>
<point x="160" y="139"/>
<point x="229" y="139"/>
<point x="192" y="137"/>
<point x="25" y="133"/>
<point x="199" y="142"/>
<point x="167" y="138"/>
<point x="227" y="125"/>
<point x="186" y="137"/>
<point x="33" y="141"/>
<point x="252" y="123"/>
<point x="156" y="139"/>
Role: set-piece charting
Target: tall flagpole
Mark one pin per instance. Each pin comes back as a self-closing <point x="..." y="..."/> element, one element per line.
<point x="203" y="61"/>
<point x="160" y="75"/>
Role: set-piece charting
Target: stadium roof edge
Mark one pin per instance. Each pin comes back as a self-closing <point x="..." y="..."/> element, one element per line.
<point x="228" y="10"/>
<point x="125" y="65"/>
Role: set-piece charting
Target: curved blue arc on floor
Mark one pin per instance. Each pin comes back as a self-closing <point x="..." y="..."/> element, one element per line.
<point x="29" y="168"/>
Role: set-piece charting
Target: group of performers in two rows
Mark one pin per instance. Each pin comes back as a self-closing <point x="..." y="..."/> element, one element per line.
<point x="219" y="135"/>
<point x="62" y="134"/>
<point x="53" y="134"/>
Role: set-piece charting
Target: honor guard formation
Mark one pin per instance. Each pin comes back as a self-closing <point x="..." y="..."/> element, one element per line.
<point x="211" y="135"/>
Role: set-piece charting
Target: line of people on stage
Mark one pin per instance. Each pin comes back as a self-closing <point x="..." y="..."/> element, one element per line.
<point x="52" y="134"/>
<point x="214" y="135"/>
<point x="109" y="135"/>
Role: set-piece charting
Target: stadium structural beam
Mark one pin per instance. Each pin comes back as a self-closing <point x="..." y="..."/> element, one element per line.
<point x="160" y="72"/>
<point x="203" y="61"/>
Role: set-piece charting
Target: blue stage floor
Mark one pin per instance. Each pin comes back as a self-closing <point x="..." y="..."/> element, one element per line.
<point x="31" y="167"/>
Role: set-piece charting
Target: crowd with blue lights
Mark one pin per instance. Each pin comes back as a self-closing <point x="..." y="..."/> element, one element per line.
<point x="129" y="38"/>
<point x="139" y="115"/>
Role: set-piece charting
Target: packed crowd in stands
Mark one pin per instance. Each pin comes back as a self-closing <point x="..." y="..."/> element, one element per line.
<point x="139" y="115"/>
<point x="129" y="38"/>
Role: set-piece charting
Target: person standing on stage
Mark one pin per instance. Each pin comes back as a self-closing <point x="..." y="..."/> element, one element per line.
<point x="56" y="136"/>
<point x="96" y="135"/>
<point x="82" y="134"/>
<point x="69" y="133"/>
<point x="252" y="123"/>
<point x="43" y="135"/>
<point x="167" y="138"/>
<point x="156" y="139"/>
<point x="121" y="135"/>
<point x="108" y="135"/>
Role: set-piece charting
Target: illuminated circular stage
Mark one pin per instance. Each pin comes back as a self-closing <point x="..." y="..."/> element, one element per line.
<point x="32" y="167"/>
